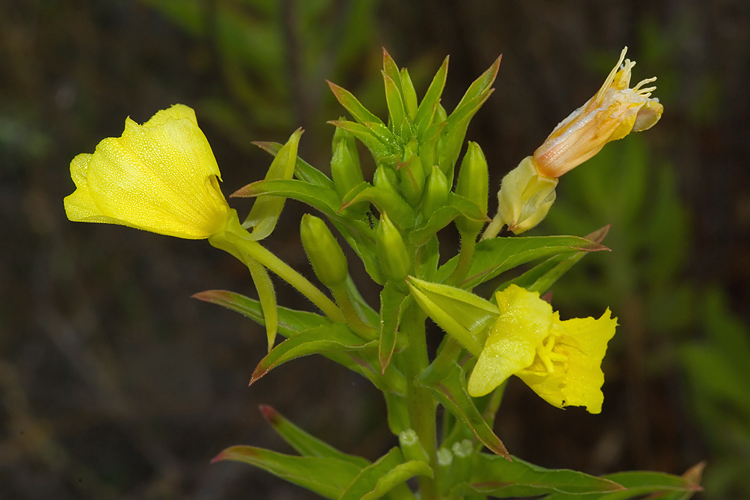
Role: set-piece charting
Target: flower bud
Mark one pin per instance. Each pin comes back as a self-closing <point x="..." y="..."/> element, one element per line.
<point x="473" y="184"/>
<point x="411" y="175"/>
<point x="436" y="192"/>
<point x="345" y="169"/>
<point x="385" y="177"/>
<point x="524" y="198"/>
<point x="160" y="177"/>
<point x="394" y="257"/>
<point x="325" y="254"/>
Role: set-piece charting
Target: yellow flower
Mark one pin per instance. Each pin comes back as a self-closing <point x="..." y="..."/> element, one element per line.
<point x="160" y="176"/>
<point x="614" y="112"/>
<point x="559" y="360"/>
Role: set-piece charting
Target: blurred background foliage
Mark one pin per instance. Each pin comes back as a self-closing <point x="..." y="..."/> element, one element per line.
<point x="114" y="384"/>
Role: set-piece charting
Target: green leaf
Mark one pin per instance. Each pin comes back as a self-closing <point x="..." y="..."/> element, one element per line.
<point x="321" y="198"/>
<point x="383" y="476"/>
<point x="302" y="170"/>
<point x="306" y="444"/>
<point x="410" y="95"/>
<point x="500" y="478"/>
<point x="390" y="69"/>
<point x="544" y="275"/>
<point x="395" y="103"/>
<point x="440" y="218"/>
<point x="450" y="389"/>
<point x="267" y="209"/>
<point x="335" y="337"/>
<point x="385" y="200"/>
<point x="362" y="307"/>
<point x="291" y="321"/>
<point x="267" y="296"/>
<point x="363" y="245"/>
<point x="431" y="99"/>
<point x="328" y="477"/>
<point x="496" y="255"/>
<point x="481" y="84"/>
<point x="392" y="303"/>
<point x="454" y="133"/>
<point x="352" y="105"/>
<point x="369" y="138"/>
<point x="640" y="483"/>
<point x="428" y="256"/>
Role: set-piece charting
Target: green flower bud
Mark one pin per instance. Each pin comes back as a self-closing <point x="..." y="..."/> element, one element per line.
<point x="392" y="252"/>
<point x="412" y="179"/>
<point x="345" y="168"/>
<point x="325" y="254"/>
<point x="436" y="193"/>
<point x="411" y="447"/>
<point x="473" y="184"/>
<point x="385" y="177"/>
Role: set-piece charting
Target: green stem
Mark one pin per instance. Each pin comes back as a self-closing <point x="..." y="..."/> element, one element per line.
<point x="494" y="228"/>
<point x="465" y="256"/>
<point x="341" y="294"/>
<point x="422" y="406"/>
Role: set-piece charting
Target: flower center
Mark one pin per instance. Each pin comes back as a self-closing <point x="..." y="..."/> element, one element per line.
<point x="548" y="356"/>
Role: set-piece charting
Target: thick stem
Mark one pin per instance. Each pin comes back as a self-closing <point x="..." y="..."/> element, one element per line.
<point x="465" y="256"/>
<point x="422" y="406"/>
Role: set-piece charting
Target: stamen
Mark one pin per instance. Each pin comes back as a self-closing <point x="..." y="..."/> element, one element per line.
<point x="644" y="82"/>
<point x="611" y="76"/>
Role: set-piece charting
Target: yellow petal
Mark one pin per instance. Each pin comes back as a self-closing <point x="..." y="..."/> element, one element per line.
<point x="160" y="176"/>
<point x="523" y="324"/>
<point x="584" y="342"/>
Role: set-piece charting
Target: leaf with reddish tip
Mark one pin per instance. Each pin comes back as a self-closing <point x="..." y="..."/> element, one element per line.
<point x="497" y="255"/>
<point x="499" y="478"/>
<point x="390" y="68"/>
<point x="387" y="475"/>
<point x="432" y="97"/>
<point x="302" y="170"/>
<point x="392" y="303"/>
<point x="541" y="277"/>
<point x="352" y="105"/>
<point x="635" y="484"/>
<point x="306" y="444"/>
<point x="450" y="389"/>
<point x="395" y="103"/>
<point x="333" y="338"/>
<point x="328" y="477"/>
<point x="483" y="83"/>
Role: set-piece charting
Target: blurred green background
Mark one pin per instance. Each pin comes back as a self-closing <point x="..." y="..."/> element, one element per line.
<point x="114" y="384"/>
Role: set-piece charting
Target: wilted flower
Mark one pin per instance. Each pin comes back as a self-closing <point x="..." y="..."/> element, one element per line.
<point x="528" y="191"/>
<point x="559" y="360"/>
<point x="614" y="112"/>
<point x="160" y="176"/>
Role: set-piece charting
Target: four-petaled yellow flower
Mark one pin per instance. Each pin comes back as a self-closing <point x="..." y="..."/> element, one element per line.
<point x="160" y="176"/>
<point x="559" y="360"/>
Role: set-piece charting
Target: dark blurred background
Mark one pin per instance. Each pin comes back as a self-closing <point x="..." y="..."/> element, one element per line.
<point x="115" y="384"/>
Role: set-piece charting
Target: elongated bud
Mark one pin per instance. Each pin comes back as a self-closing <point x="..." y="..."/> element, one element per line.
<point x="411" y="446"/>
<point x="473" y="184"/>
<point x="436" y="192"/>
<point x="345" y="168"/>
<point x="412" y="179"/>
<point x="525" y="197"/>
<point x="392" y="252"/>
<point x="325" y="254"/>
<point x="385" y="177"/>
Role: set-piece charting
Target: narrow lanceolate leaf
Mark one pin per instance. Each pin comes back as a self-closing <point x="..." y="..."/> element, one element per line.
<point x="302" y="170"/>
<point x="369" y="138"/>
<point x="321" y="198"/>
<point x="432" y="97"/>
<point x="481" y="84"/>
<point x="443" y="216"/>
<point x="291" y="322"/>
<point x="328" y="477"/>
<point x="352" y="105"/>
<point x="395" y="103"/>
<point x="336" y="337"/>
<point x="267" y="209"/>
<point x="636" y="484"/>
<point x="267" y="296"/>
<point x="410" y="94"/>
<point x="541" y="277"/>
<point x="390" y="68"/>
<point x="497" y="255"/>
<point x="499" y="478"/>
<point x="450" y="390"/>
<point x="386" y="475"/>
<point x="386" y="201"/>
<point x="454" y="132"/>
<point x="306" y="444"/>
<point x="392" y="302"/>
